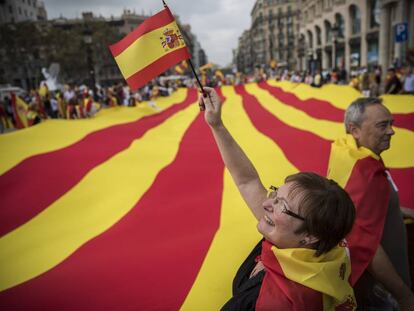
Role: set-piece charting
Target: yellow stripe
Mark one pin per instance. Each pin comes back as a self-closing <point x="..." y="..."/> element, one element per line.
<point x="398" y="156"/>
<point x="399" y="103"/>
<point x="19" y="145"/>
<point x="57" y="232"/>
<point x="237" y="234"/>
<point x="144" y="51"/>
<point x="339" y="96"/>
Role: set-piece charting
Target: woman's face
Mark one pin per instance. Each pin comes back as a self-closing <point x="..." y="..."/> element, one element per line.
<point x="277" y="226"/>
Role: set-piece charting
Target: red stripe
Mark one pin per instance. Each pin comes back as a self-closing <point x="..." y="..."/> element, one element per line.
<point x="295" y="143"/>
<point x="150" y="259"/>
<point x="154" y="22"/>
<point x="321" y="109"/>
<point x="368" y="188"/>
<point x="38" y="181"/>
<point x="141" y="77"/>
<point x="404" y="179"/>
<point x="404" y="120"/>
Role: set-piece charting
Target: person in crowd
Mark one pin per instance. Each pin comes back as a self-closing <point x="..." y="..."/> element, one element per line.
<point x="378" y="74"/>
<point x="408" y="87"/>
<point x="392" y="84"/>
<point x="302" y="262"/>
<point x="378" y="241"/>
<point x="317" y="80"/>
<point x="365" y="83"/>
<point x="354" y="82"/>
<point x="373" y="85"/>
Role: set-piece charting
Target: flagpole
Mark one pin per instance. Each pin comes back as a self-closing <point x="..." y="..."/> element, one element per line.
<point x="202" y="106"/>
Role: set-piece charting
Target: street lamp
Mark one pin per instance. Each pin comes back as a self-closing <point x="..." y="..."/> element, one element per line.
<point x="87" y="39"/>
<point x="335" y="34"/>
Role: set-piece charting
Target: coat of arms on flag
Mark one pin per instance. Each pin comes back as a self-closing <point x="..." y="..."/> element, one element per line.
<point x="172" y="39"/>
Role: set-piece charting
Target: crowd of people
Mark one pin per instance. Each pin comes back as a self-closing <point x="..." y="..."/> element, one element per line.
<point x="79" y="102"/>
<point x="368" y="82"/>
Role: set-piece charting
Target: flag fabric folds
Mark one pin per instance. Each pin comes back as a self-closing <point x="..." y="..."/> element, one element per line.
<point x="296" y="279"/>
<point x="149" y="50"/>
<point x="361" y="173"/>
<point x="136" y="202"/>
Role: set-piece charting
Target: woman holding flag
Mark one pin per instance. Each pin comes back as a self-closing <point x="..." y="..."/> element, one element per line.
<point x="302" y="261"/>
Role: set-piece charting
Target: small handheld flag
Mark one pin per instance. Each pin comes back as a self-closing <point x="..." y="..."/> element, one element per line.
<point x="150" y="49"/>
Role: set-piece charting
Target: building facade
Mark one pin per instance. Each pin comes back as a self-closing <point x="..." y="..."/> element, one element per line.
<point x="25" y="71"/>
<point x="15" y="11"/>
<point x="354" y="34"/>
<point x="271" y="37"/>
<point x="330" y="33"/>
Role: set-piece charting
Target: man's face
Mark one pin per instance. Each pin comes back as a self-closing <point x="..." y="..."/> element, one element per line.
<point x="376" y="129"/>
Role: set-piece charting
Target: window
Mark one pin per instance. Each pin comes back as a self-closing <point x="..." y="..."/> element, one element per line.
<point x="339" y="20"/>
<point x="355" y="19"/>
<point x="10" y="9"/>
<point x="328" y="32"/>
<point x="318" y="35"/>
<point x="374" y="13"/>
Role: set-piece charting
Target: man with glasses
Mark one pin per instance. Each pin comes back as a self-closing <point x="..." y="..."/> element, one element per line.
<point x="302" y="262"/>
<point x="378" y="241"/>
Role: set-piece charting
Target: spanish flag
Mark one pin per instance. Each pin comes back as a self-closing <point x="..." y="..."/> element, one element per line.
<point x="20" y="110"/>
<point x="296" y="279"/>
<point x="149" y="50"/>
<point x="363" y="175"/>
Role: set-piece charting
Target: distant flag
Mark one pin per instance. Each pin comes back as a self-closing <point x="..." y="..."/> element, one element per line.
<point x="150" y="49"/>
<point x="181" y="68"/>
<point x="20" y="110"/>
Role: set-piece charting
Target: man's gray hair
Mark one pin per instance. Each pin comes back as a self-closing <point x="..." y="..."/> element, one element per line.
<point x="355" y="112"/>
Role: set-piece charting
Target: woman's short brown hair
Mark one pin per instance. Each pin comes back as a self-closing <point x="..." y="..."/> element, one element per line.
<point x="328" y="210"/>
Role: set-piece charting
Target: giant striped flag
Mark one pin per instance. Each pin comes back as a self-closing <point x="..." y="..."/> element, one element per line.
<point x="150" y="49"/>
<point x="134" y="210"/>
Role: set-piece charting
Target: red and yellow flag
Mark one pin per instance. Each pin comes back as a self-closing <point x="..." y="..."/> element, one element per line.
<point x="20" y="110"/>
<point x="362" y="174"/>
<point x="296" y="279"/>
<point x="139" y="204"/>
<point x="153" y="47"/>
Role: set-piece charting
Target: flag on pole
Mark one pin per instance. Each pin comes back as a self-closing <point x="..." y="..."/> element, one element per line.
<point x="150" y="49"/>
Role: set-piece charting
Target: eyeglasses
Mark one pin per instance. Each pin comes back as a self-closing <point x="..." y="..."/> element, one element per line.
<point x="272" y="194"/>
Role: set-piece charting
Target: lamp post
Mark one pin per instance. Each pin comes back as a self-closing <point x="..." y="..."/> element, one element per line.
<point x="87" y="39"/>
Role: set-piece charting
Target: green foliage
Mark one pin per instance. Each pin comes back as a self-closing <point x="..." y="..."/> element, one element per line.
<point x="40" y="44"/>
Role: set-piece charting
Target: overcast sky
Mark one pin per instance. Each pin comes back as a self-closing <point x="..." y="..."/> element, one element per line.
<point x="216" y="23"/>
